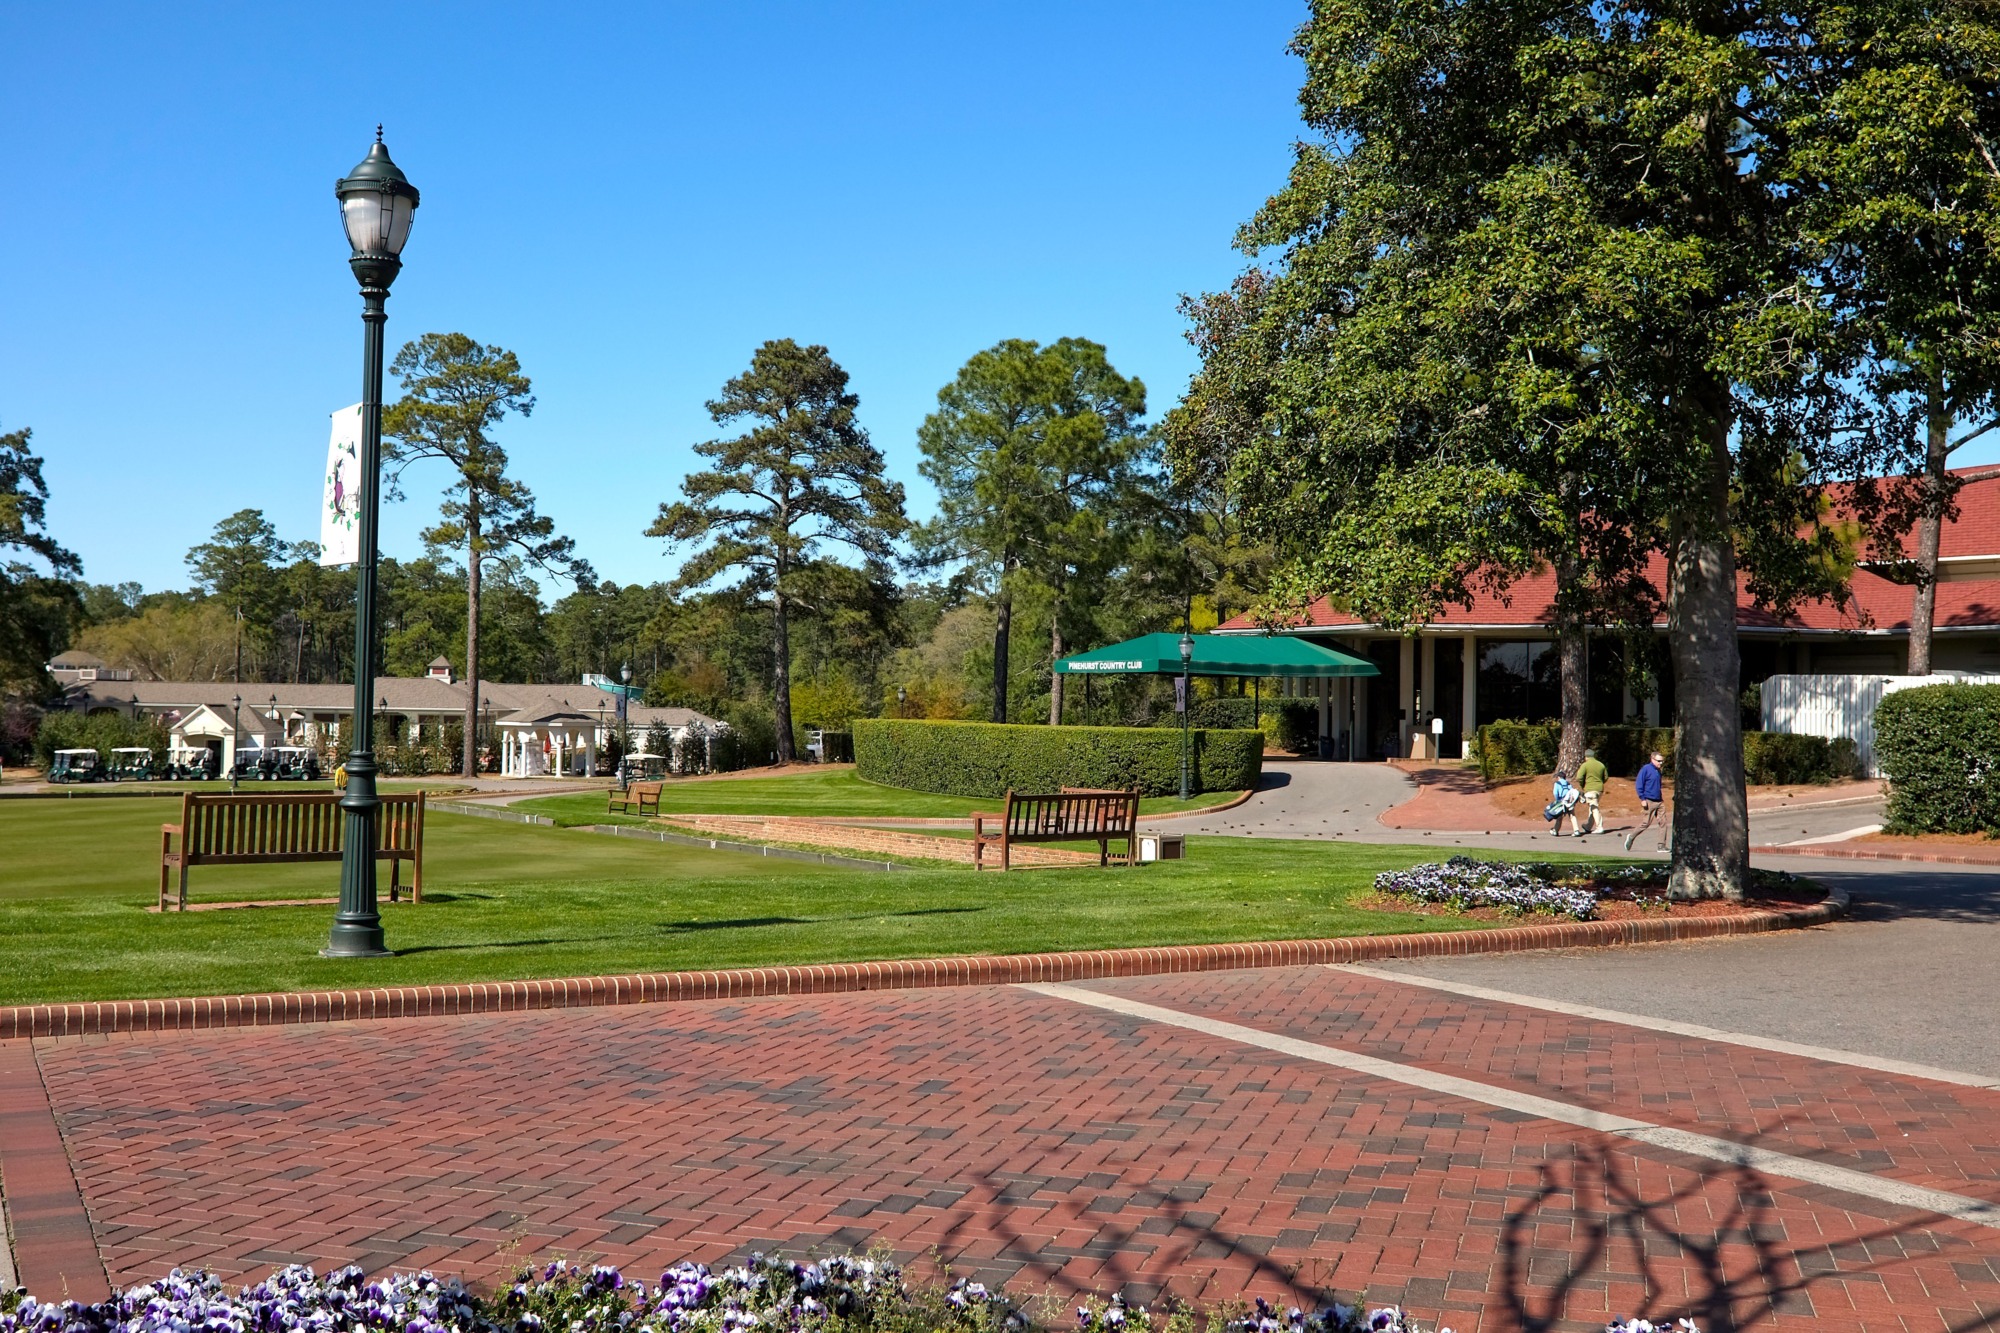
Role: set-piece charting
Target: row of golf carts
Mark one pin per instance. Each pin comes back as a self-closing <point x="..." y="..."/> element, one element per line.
<point x="134" y="763"/>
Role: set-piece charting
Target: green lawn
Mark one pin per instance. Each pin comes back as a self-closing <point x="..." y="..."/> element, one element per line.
<point x="835" y="792"/>
<point x="515" y="901"/>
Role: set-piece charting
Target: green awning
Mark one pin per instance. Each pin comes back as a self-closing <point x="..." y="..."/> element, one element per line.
<point x="1217" y="655"/>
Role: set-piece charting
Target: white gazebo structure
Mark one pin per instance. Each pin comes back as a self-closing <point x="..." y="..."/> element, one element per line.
<point x="553" y="745"/>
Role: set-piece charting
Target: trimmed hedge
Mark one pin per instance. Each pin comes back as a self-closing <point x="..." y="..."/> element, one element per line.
<point x="989" y="758"/>
<point x="1939" y="746"/>
<point x="1509" y="749"/>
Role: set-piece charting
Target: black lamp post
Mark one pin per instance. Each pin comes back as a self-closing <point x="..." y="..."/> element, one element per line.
<point x="624" y="731"/>
<point x="902" y="697"/>
<point x="376" y="204"/>
<point x="236" y="727"/>
<point x="1187" y="706"/>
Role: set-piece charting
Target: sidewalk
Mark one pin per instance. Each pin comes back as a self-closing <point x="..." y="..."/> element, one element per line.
<point x="1293" y="1133"/>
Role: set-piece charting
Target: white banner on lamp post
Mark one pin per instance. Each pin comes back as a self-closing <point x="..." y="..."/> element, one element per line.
<point x="340" y="510"/>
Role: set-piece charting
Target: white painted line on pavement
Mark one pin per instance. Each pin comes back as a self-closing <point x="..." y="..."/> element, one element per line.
<point x="1844" y="836"/>
<point x="1886" y="1064"/>
<point x="1802" y="1169"/>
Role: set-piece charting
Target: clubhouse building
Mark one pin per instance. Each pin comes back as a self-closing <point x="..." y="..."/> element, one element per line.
<point x="1497" y="659"/>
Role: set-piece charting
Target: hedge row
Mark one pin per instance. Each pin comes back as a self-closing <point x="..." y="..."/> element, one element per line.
<point x="989" y="759"/>
<point x="1508" y="749"/>
<point x="1939" y="746"/>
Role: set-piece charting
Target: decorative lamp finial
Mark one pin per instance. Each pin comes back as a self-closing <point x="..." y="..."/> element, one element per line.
<point x="378" y="131"/>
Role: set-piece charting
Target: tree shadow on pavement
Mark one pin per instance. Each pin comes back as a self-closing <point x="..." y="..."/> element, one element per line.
<point x="1927" y="893"/>
<point x="1726" y="1249"/>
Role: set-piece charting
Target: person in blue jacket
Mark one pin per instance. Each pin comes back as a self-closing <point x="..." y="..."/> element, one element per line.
<point x="1647" y="785"/>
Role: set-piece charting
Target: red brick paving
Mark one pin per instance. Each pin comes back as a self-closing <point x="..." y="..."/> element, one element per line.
<point x="51" y="1233"/>
<point x="212" y="1011"/>
<point x="1939" y="1135"/>
<point x="1036" y="1140"/>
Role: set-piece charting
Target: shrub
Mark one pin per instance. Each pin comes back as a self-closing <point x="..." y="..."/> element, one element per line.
<point x="1287" y="724"/>
<point x="989" y="758"/>
<point x="1939" y="746"/>
<point x="750" y="742"/>
<point x="1509" y="749"/>
<point x="1775" y="757"/>
<point x="102" y="732"/>
<point x="1292" y="724"/>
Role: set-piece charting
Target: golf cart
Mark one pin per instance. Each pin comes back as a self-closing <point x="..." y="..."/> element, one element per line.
<point x="76" y="766"/>
<point x="294" y="763"/>
<point x="641" y="768"/>
<point x="132" y="763"/>
<point x="192" y="763"/>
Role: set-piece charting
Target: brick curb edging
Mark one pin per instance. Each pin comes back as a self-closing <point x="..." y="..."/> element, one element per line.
<point x="216" y="1011"/>
<point x="1871" y="854"/>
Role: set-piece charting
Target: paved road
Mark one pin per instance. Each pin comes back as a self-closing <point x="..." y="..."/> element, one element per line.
<point x="1309" y="799"/>
<point x="1295" y="1133"/>
<point x="1915" y="974"/>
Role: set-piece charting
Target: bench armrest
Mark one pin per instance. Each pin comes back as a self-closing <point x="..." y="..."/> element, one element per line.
<point x="174" y="829"/>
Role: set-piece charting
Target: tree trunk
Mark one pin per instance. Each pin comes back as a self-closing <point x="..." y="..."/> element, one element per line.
<point x="1003" y="622"/>
<point x="1710" y="808"/>
<point x="1055" y="654"/>
<point x="1573" y="650"/>
<point x="1930" y="528"/>
<point x="781" y="674"/>
<point x="472" y="562"/>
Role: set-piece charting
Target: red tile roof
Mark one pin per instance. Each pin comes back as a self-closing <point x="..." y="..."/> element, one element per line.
<point x="1877" y="603"/>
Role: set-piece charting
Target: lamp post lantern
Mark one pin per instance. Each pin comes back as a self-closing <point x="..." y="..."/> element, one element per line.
<point x="236" y="736"/>
<point x="1187" y="706"/>
<point x="376" y="204"/>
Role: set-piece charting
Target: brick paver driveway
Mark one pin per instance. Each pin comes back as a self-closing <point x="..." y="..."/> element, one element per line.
<point x="1038" y="1136"/>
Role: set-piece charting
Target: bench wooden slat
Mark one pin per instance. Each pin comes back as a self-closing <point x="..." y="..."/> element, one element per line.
<point x="226" y="829"/>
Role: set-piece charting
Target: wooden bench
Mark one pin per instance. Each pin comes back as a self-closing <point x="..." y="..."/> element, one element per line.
<point x="1074" y="814"/>
<point x="237" y="830"/>
<point x="639" y="796"/>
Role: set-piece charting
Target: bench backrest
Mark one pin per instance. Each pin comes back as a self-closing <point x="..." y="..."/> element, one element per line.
<point x="1079" y="814"/>
<point x="310" y="825"/>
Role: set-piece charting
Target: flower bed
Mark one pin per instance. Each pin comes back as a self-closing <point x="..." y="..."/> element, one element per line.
<point x="842" y="1294"/>
<point x="1463" y="883"/>
<point x="1581" y="891"/>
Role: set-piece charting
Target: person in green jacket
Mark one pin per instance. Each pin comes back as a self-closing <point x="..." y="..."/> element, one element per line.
<point x="1591" y="775"/>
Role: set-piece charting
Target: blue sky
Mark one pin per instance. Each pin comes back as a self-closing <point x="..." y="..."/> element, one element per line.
<point x="630" y="197"/>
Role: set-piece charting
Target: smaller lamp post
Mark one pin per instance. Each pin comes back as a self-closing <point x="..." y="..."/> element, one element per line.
<point x="1187" y="706"/>
<point x="284" y="735"/>
<point x="236" y="744"/>
<point x="902" y="698"/>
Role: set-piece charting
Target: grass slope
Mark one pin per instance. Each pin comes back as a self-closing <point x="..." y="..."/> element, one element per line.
<point x="836" y="792"/>
<point x="515" y="901"/>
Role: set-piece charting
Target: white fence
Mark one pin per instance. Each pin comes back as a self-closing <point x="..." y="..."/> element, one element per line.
<point x="1842" y="706"/>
